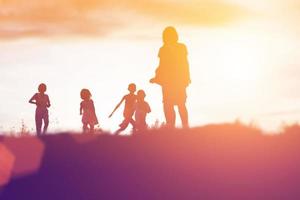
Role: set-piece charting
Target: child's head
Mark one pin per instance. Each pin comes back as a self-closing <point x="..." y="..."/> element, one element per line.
<point x="85" y="94"/>
<point x="141" y="95"/>
<point x="42" y="88"/>
<point x="170" y="35"/>
<point x="131" y="87"/>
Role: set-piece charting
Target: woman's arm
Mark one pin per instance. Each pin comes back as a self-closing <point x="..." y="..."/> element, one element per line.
<point x="155" y="79"/>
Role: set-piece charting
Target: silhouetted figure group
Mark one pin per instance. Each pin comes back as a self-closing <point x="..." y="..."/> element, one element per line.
<point x="135" y="110"/>
<point x="172" y="75"/>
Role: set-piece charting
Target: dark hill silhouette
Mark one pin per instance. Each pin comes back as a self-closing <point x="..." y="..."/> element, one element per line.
<point x="211" y="162"/>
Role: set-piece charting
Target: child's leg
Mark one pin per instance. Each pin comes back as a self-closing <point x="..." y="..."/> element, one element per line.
<point x="144" y="122"/>
<point x="137" y="124"/>
<point x="85" y="127"/>
<point x="140" y="125"/>
<point x="123" y="126"/>
<point x="38" y="123"/>
<point x="143" y="125"/>
<point x="91" y="128"/>
<point x="46" y="123"/>
<point x="133" y="123"/>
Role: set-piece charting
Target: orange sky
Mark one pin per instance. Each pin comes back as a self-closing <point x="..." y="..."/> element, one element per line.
<point x="34" y="18"/>
<point x="24" y="18"/>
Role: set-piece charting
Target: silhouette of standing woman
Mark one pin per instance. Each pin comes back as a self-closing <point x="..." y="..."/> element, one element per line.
<point x="173" y="76"/>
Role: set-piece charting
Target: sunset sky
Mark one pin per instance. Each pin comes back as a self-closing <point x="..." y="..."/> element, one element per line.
<point x="243" y="54"/>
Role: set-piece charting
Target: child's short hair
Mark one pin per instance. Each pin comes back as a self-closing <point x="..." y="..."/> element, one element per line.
<point x="132" y="87"/>
<point x="141" y="94"/>
<point x="42" y="87"/>
<point x="85" y="94"/>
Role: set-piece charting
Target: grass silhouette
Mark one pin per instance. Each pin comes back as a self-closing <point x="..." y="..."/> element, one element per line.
<point x="227" y="161"/>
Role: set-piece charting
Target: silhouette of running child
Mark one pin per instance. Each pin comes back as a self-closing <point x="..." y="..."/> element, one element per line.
<point x="142" y="108"/>
<point x="130" y="101"/>
<point x="87" y="110"/>
<point x="42" y="102"/>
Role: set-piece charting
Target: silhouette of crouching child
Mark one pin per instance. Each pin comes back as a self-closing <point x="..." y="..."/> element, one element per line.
<point x="42" y="102"/>
<point x="130" y="100"/>
<point x="87" y="110"/>
<point x="142" y="108"/>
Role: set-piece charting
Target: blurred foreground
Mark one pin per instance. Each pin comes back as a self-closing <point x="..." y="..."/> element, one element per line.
<point x="211" y="162"/>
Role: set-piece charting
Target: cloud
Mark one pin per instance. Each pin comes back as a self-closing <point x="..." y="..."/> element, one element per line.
<point x="203" y="13"/>
<point x="19" y="18"/>
<point x="36" y="18"/>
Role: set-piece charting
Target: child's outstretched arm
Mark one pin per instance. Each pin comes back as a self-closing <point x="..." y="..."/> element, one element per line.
<point x="116" y="108"/>
<point x="32" y="100"/>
